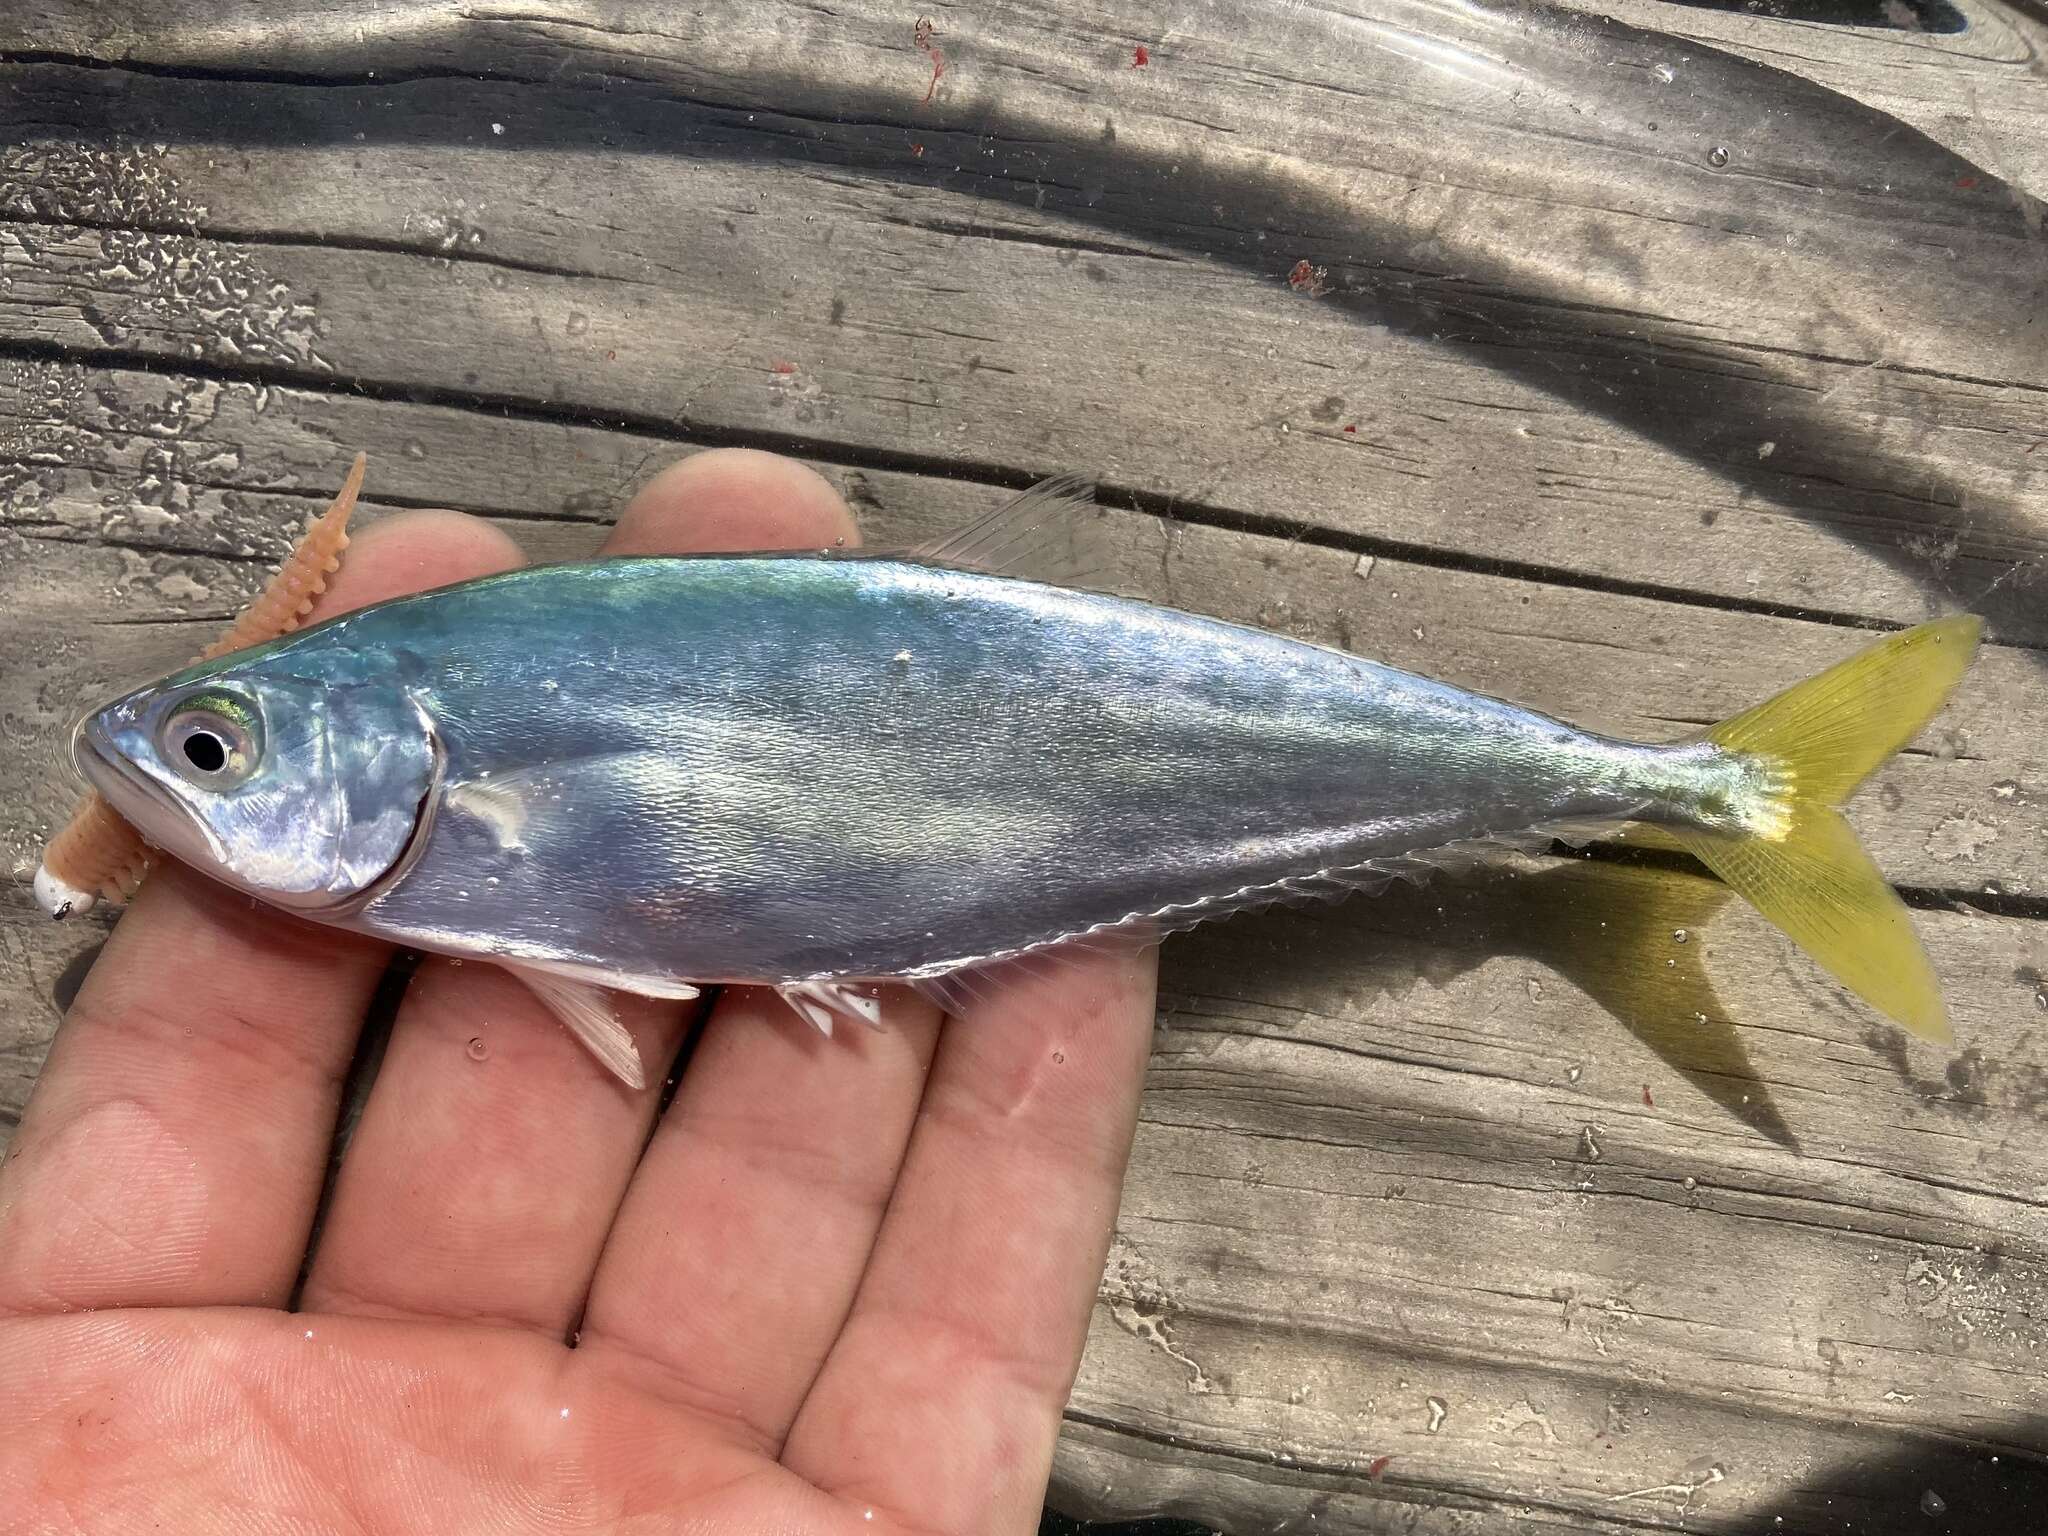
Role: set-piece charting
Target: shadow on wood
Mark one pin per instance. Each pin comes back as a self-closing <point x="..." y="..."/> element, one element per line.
<point x="1951" y="1490"/>
<point x="65" y="989"/>
<point x="1628" y="937"/>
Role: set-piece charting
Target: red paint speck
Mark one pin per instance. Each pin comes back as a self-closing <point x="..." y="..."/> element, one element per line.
<point x="1351" y="426"/>
<point x="1966" y="182"/>
<point x="1646" y="1096"/>
<point x="917" y="150"/>
<point x="781" y="366"/>
<point x="1140" y="56"/>
<point x="611" y="357"/>
<point x="922" y="35"/>
<point x="1377" y="1467"/>
<point x="1311" y="280"/>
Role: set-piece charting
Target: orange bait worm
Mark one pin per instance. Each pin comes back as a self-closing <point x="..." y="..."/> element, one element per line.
<point x="100" y="857"/>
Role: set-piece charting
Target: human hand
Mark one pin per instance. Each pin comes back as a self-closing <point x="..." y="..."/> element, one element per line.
<point x="841" y="1286"/>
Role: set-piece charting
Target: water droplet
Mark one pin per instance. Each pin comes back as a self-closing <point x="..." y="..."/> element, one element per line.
<point x="498" y="129"/>
<point x="414" y="448"/>
<point x="1717" y="157"/>
<point x="309" y="1333"/>
<point x="1932" y="1503"/>
<point x="1571" y="1074"/>
<point x="479" y="1049"/>
<point x="1663" y="72"/>
<point x="1678" y="935"/>
<point x="565" y="1413"/>
<point x="1691" y="1183"/>
<point x="1059" y="1058"/>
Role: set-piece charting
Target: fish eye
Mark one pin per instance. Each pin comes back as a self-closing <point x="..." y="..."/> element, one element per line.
<point x="204" y="750"/>
<point x="212" y="739"/>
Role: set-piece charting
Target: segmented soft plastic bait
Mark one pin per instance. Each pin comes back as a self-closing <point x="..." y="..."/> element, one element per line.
<point x="100" y="857"/>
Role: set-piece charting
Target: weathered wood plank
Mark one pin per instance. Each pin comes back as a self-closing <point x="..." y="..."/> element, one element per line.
<point x="1317" y="1145"/>
<point x="1763" y="437"/>
<point x="1979" y="90"/>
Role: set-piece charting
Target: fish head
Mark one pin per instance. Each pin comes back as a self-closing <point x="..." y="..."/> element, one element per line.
<point x="301" y="789"/>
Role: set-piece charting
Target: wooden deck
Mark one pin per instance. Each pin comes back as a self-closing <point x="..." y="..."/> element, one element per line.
<point x="1605" y="370"/>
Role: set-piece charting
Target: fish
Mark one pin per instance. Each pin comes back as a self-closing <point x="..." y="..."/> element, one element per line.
<point x="821" y="771"/>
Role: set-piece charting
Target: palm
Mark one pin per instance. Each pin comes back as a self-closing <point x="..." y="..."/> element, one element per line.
<point x="840" y="1286"/>
<point x="487" y="1430"/>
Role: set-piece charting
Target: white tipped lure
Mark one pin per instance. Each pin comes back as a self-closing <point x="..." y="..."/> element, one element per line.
<point x="650" y="774"/>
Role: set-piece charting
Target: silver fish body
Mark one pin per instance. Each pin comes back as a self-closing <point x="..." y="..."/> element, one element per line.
<point x="775" y="768"/>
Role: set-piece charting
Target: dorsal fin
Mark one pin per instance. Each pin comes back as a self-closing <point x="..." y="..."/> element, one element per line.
<point x="1053" y="533"/>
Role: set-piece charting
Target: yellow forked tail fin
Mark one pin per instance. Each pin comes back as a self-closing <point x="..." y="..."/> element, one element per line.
<point x="1825" y="737"/>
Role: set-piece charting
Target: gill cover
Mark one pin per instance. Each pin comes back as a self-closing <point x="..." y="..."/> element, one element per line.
<point x="303" y="792"/>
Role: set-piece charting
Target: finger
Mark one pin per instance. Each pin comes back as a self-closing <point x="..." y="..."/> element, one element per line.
<point x="483" y="1176"/>
<point x="742" y="1239"/>
<point x="733" y="500"/>
<point x="941" y="1400"/>
<point x="741" y="1243"/>
<point x="175" y="1147"/>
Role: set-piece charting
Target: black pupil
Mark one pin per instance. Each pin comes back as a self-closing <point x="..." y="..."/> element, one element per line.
<point x="206" y="752"/>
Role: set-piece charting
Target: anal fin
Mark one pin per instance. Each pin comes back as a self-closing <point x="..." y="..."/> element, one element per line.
<point x="587" y="1014"/>
<point x="818" y="1003"/>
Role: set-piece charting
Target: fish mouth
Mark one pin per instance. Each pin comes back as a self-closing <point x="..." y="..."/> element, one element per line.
<point x="156" y="813"/>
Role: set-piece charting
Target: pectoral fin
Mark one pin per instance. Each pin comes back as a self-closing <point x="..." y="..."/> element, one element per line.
<point x="586" y="1012"/>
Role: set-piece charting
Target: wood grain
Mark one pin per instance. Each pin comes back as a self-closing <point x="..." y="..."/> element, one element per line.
<point x="1832" y="409"/>
<point x="1488" y="1207"/>
<point x="1980" y="89"/>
